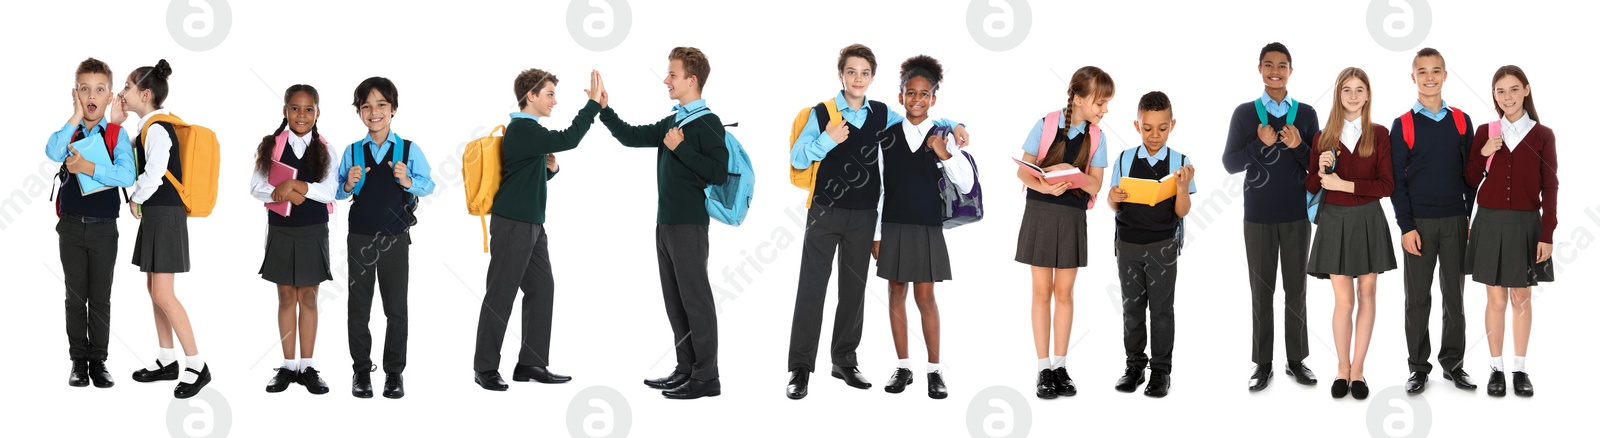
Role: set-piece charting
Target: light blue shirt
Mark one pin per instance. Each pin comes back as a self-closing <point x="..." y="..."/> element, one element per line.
<point x="1031" y="144"/>
<point x="120" y="173"/>
<point x="514" y="117"/>
<point x="813" y="144"/>
<point x="1444" y="110"/>
<point x="682" y="111"/>
<point x="1275" y="108"/>
<point x="1142" y="152"/>
<point x="416" y="165"/>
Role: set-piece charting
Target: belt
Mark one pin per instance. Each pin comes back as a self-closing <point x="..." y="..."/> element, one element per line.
<point x="85" y="219"/>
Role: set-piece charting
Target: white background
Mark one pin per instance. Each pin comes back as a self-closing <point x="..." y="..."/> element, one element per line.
<point x="454" y="63"/>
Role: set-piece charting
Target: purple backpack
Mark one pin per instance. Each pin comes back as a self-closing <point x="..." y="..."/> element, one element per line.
<point x="961" y="208"/>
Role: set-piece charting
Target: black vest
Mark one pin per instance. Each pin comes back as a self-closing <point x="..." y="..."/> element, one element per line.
<point x="1075" y="198"/>
<point x="911" y="181"/>
<point x="165" y="195"/>
<point x="1141" y="224"/>
<point x="103" y="205"/>
<point x="849" y="176"/>
<point x="309" y="212"/>
<point x="380" y="209"/>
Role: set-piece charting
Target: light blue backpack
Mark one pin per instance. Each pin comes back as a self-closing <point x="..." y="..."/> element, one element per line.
<point x="729" y="202"/>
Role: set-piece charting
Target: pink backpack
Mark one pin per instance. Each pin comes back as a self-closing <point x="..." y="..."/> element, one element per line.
<point x="1048" y="136"/>
<point x="277" y="151"/>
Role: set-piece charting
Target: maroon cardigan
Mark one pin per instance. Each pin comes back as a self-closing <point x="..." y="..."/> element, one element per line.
<point x="1373" y="176"/>
<point x="1523" y="179"/>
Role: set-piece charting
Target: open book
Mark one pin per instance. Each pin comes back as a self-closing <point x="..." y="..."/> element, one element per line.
<point x="93" y="148"/>
<point x="1075" y="176"/>
<point x="281" y="172"/>
<point x="1149" y="191"/>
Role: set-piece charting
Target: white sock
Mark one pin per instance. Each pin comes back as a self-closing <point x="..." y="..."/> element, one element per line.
<point x="291" y="365"/>
<point x="1058" y="361"/>
<point x="1497" y="363"/>
<point x="194" y="362"/>
<point x="1520" y="365"/>
<point x="935" y="368"/>
<point x="905" y="363"/>
<point x="305" y="362"/>
<point x="1044" y="364"/>
<point x="164" y="356"/>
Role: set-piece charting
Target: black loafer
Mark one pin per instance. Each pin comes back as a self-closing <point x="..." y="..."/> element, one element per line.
<point x="490" y="380"/>
<point x="1301" y="373"/>
<point x="851" y="376"/>
<point x="1340" y="388"/>
<point x="1461" y="379"/>
<point x="670" y="381"/>
<point x="695" y="389"/>
<point x="1359" y="390"/>
<point x="537" y="374"/>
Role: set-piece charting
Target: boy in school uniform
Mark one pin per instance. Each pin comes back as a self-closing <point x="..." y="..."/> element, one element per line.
<point x="1266" y="140"/>
<point x="843" y="216"/>
<point x="688" y="157"/>
<point x="380" y="238"/>
<point x="519" y="247"/>
<point x="88" y="223"/>
<point x="1148" y="241"/>
<point x="1432" y="203"/>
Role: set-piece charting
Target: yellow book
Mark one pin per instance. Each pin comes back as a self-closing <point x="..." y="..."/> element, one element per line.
<point x="1148" y="191"/>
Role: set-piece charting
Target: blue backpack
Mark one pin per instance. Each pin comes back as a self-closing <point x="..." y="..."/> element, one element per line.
<point x="400" y="153"/>
<point x="1125" y="162"/>
<point x="729" y="202"/>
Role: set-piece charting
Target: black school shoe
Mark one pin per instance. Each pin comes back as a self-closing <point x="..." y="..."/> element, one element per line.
<point x="1497" y="383"/>
<point x="186" y="390"/>
<point x="99" y="375"/>
<point x="1064" y="385"/>
<point x="312" y="380"/>
<point x="282" y="380"/>
<point x="394" y="386"/>
<point x="1046" y="385"/>
<point x="80" y="374"/>
<point x="1521" y="384"/>
<point x="936" y="389"/>
<point x="166" y="372"/>
<point x="897" y="382"/>
<point x="1160" y="382"/>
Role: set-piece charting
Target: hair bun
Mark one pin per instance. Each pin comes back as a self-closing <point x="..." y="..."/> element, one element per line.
<point x="162" y="70"/>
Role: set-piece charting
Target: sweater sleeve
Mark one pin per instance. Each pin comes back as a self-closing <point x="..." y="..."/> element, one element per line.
<point x="1383" y="185"/>
<point x="1548" y="184"/>
<point x="705" y="151"/>
<point x="1313" y="174"/>
<point x="1309" y="127"/>
<point x="1243" y="145"/>
<point x="642" y="136"/>
<point x="1400" y="198"/>
<point x="1476" y="162"/>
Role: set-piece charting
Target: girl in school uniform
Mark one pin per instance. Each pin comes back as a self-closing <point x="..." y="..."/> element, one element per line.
<point x="909" y="243"/>
<point x="1352" y="245"/>
<point x="1054" y="237"/>
<point x="161" y="249"/>
<point x="297" y="242"/>
<point x="1514" y="169"/>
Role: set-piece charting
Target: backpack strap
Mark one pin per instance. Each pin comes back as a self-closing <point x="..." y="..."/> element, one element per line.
<point x="358" y="156"/>
<point x="1047" y="134"/>
<point x="1125" y="162"/>
<point x="1261" y="111"/>
<point x="1408" y="129"/>
<point x="1294" y="110"/>
<point x="1461" y="120"/>
<point x="1094" y="147"/>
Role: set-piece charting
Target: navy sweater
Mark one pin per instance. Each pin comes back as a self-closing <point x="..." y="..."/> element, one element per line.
<point x="1428" y="176"/>
<point x="1275" y="175"/>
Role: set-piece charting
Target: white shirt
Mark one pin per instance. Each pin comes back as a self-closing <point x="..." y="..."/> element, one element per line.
<point x="156" y="154"/>
<point x="1351" y="133"/>
<point x="956" y="169"/>
<point x="320" y="191"/>
<point x="1514" y="132"/>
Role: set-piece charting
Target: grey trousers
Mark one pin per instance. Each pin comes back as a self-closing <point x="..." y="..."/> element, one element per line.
<point x="519" y="257"/>
<point x="1269" y="247"/>
<point x="1444" y="243"/>
<point x="682" y="252"/>
<point x="850" y="233"/>
<point x="88" y="260"/>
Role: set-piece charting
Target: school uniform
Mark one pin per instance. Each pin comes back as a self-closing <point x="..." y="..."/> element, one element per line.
<point x="911" y="233"/>
<point x="1277" y="235"/>
<point x="1431" y="198"/>
<point x="519" y="255"/>
<point x="1516" y="205"/>
<point x="1055" y="229"/>
<point x="682" y="225"/>
<point x="1352" y="237"/>
<point x="379" y="245"/>
<point x="1147" y="260"/>
<point x="297" y="245"/>
<point x="87" y="232"/>
<point x="842" y="217"/>
<point x="162" y="245"/>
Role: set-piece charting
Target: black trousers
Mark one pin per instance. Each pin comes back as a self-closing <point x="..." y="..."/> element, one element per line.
<point x="519" y="257"/>
<point x="682" y="252"/>
<point x="88" y="259"/>
<point x="385" y="259"/>
<point x="1149" y="274"/>
<point x="1268" y="247"/>
<point x="850" y="233"/>
<point x="1444" y="243"/>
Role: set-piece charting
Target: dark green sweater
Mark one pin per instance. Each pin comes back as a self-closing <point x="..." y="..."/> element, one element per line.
<point x="682" y="173"/>
<point x="523" y="173"/>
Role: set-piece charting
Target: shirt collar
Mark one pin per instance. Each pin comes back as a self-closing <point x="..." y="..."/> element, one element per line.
<point x="101" y="126"/>
<point x="683" y="111"/>
<point x="1267" y="99"/>
<point x="1520" y="126"/>
<point x="524" y="115"/>
<point x="844" y="105"/>
<point x="1419" y="108"/>
<point x="297" y="141"/>
<point x="1144" y="152"/>
<point x="393" y="138"/>
<point x="1351" y="133"/>
<point x="1076" y="130"/>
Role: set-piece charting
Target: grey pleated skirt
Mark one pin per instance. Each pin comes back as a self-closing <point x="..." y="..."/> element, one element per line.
<point x="1503" y="247"/>
<point x="162" y="245"/>
<point x="1351" y="241"/>
<point x="297" y="256"/>
<point x="913" y="254"/>
<point x="1053" y="236"/>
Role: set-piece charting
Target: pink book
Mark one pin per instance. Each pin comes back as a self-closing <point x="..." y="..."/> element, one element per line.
<point x="280" y="173"/>
<point x="1075" y="176"/>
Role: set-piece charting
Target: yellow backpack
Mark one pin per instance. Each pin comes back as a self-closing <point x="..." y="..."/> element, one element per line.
<point x="480" y="169"/>
<point x="807" y="178"/>
<point x="199" y="156"/>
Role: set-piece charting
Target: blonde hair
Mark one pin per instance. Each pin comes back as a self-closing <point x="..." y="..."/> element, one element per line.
<point x="1335" y="126"/>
